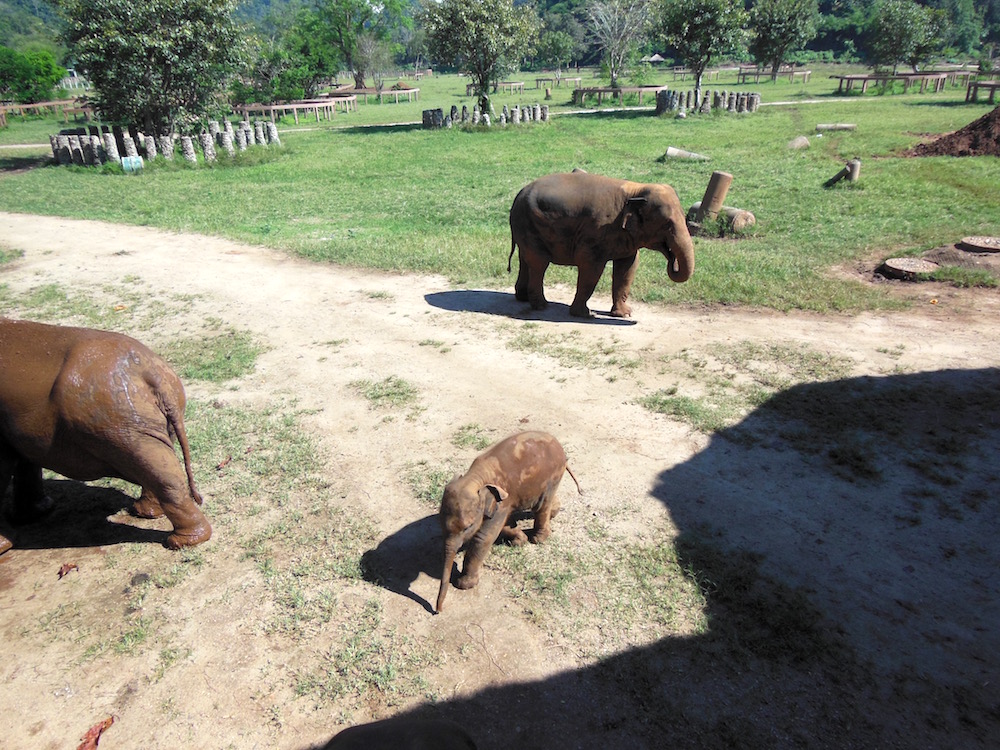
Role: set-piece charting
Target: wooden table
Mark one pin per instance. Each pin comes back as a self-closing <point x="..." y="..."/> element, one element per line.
<point x="972" y="92"/>
<point x="847" y="82"/>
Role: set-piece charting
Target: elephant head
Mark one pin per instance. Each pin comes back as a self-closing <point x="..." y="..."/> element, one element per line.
<point x="654" y="219"/>
<point x="471" y="514"/>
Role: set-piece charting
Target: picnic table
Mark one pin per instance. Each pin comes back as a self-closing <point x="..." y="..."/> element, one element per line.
<point x="557" y="81"/>
<point x="972" y="92"/>
<point x="707" y="75"/>
<point x="926" y="80"/>
<point x="746" y="72"/>
<point x="321" y="108"/>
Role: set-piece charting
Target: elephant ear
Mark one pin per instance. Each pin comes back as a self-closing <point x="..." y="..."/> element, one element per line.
<point x="491" y="497"/>
<point x="632" y="209"/>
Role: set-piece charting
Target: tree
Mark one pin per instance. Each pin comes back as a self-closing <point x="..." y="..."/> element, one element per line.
<point x="555" y="48"/>
<point x="617" y="26"/>
<point x="28" y="77"/>
<point x="902" y="31"/>
<point x="486" y="38"/>
<point x="155" y="63"/>
<point x="702" y="29"/>
<point x="780" y="27"/>
<point x="343" y="23"/>
<point x="375" y="56"/>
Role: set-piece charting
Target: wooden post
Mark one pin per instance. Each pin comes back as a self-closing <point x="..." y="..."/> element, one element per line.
<point x="715" y="194"/>
<point x="852" y="170"/>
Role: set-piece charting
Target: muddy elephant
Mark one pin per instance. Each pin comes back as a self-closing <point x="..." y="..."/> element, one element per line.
<point x="89" y="404"/>
<point x="520" y="473"/>
<point x="585" y="220"/>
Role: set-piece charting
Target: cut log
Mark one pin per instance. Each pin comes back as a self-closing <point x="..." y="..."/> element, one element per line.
<point x="679" y="153"/>
<point x="715" y="194"/>
<point x="837" y="126"/>
<point x="981" y="244"/>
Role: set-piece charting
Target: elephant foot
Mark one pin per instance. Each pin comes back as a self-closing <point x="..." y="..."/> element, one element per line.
<point x="147" y="506"/>
<point x="189" y="538"/>
<point x="621" y="311"/>
<point x="514" y="536"/>
<point x="467" y="581"/>
<point x="539" y="304"/>
<point x="5" y="544"/>
<point x="580" y="312"/>
<point x="521" y="295"/>
<point x="540" y="535"/>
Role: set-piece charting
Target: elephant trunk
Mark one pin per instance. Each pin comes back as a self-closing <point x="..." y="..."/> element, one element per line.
<point x="450" y="550"/>
<point x="680" y="254"/>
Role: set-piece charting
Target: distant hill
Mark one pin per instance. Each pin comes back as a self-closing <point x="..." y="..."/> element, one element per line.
<point x="23" y="21"/>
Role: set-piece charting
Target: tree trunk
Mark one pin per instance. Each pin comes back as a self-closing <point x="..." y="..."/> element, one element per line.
<point x="359" y="79"/>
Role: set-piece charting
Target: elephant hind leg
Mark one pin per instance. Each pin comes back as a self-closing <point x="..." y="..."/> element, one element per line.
<point x="154" y="466"/>
<point x="546" y="510"/>
<point x="586" y="282"/>
<point x="521" y="285"/>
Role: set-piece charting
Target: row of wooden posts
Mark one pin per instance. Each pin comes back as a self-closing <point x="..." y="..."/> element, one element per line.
<point x="436" y="118"/>
<point x="94" y="146"/>
<point x="668" y="100"/>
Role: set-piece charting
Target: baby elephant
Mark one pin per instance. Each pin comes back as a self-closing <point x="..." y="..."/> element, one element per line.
<point x="519" y="473"/>
<point x="89" y="404"/>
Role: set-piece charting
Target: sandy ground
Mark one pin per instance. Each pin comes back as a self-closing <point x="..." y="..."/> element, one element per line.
<point x="904" y="569"/>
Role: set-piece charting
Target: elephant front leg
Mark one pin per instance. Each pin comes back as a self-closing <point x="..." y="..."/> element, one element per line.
<point x="477" y="550"/>
<point x="586" y="282"/>
<point x="623" y="274"/>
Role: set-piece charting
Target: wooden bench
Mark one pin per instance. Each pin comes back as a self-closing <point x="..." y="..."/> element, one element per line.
<point x="926" y="80"/>
<point x="321" y="108"/>
<point x="747" y="72"/>
<point x="972" y="92"/>
<point x="505" y="86"/>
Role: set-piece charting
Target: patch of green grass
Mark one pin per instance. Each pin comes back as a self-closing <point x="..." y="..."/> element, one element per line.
<point x="966" y="277"/>
<point x="368" y="657"/>
<point x="390" y="392"/>
<point x="428" y="482"/>
<point x="473" y="436"/>
<point x="700" y="413"/>
<point x="571" y="350"/>
<point x="7" y="255"/>
<point x="214" y="358"/>
<point x="303" y="203"/>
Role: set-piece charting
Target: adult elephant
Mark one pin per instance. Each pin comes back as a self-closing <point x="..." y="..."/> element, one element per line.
<point x="585" y="220"/>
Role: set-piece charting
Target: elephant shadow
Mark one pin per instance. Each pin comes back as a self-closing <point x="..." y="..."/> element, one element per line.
<point x="401" y="557"/>
<point x="505" y="304"/>
<point x="79" y="518"/>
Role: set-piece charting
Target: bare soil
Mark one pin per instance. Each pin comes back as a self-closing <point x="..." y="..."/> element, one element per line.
<point x="979" y="138"/>
<point x="866" y="503"/>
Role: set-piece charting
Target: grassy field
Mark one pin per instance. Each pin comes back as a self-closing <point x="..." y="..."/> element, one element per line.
<point x="374" y="190"/>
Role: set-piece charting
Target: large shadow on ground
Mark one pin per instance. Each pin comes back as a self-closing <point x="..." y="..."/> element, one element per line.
<point x="844" y="535"/>
<point x="78" y="519"/>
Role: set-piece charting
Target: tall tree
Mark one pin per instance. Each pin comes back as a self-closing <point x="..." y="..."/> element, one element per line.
<point x="702" y="29"/>
<point x="486" y="38"/>
<point x="902" y="31"/>
<point x="155" y="63"/>
<point x="343" y="23"/>
<point x="28" y="77"/>
<point x="780" y="27"/>
<point x="617" y="26"/>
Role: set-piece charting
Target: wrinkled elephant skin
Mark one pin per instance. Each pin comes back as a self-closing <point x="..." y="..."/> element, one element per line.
<point x="520" y="473"/>
<point x="586" y="220"/>
<point x="89" y="404"/>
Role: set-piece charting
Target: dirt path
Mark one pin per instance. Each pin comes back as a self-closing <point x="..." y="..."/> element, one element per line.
<point x="918" y="599"/>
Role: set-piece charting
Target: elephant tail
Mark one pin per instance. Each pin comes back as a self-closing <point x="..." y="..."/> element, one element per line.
<point x="177" y="427"/>
<point x="513" y="246"/>
<point x="570" y="472"/>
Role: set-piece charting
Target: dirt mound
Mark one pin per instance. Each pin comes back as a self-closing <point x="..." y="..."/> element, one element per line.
<point x="979" y="138"/>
